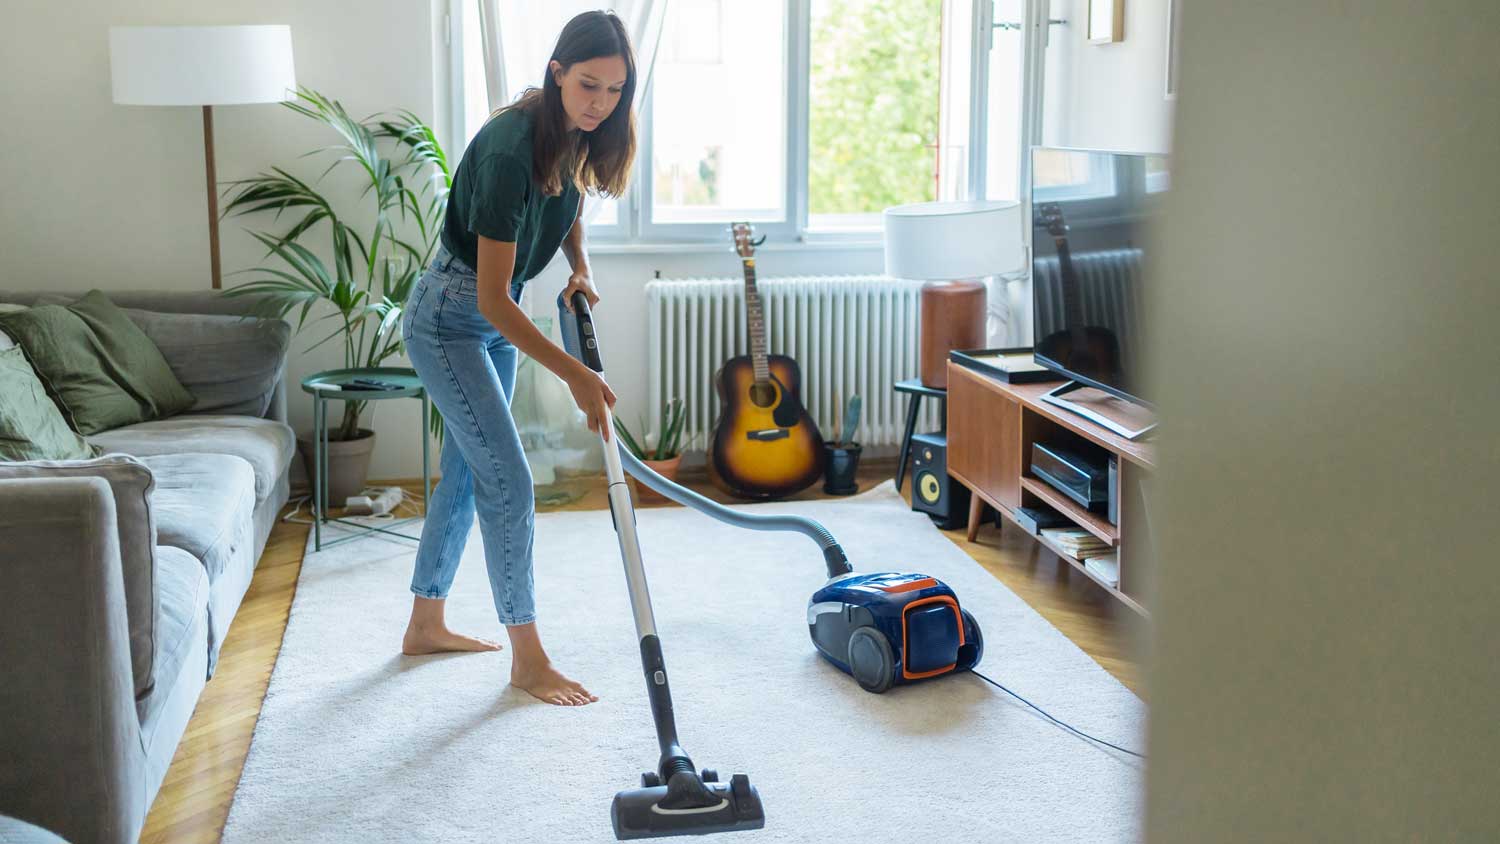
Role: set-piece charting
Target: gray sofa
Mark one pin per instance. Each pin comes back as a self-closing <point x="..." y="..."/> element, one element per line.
<point x="123" y="574"/>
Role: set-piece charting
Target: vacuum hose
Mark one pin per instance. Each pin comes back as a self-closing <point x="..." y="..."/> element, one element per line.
<point x="579" y="324"/>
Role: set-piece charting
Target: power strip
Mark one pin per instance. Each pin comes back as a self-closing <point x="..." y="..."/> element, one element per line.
<point x="363" y="505"/>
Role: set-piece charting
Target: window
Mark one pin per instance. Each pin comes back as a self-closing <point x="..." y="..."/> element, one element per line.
<point x="1003" y="135"/>
<point x="800" y="116"/>
<point x="718" y="117"/>
<point x="872" y="109"/>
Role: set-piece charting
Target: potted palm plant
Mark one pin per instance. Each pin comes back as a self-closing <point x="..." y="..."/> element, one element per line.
<point x="842" y="452"/>
<point x="405" y="182"/>
<point x="666" y="457"/>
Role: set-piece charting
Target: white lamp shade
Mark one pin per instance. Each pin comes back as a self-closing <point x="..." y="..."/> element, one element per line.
<point x="201" y="65"/>
<point x="953" y="240"/>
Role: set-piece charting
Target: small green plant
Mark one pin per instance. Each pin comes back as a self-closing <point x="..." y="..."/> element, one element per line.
<point x="669" y="445"/>
<point x="845" y="428"/>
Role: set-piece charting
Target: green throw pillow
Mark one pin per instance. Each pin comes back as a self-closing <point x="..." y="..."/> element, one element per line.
<point x="31" y="428"/>
<point x="100" y="368"/>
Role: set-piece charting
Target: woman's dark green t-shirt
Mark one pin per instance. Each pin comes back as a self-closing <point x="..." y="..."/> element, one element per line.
<point x="493" y="195"/>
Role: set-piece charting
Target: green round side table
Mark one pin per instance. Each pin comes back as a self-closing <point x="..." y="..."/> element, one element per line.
<point x="337" y="385"/>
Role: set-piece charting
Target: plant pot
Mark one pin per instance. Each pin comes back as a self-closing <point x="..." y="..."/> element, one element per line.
<point x="348" y="464"/>
<point x="840" y="465"/>
<point x="665" y="468"/>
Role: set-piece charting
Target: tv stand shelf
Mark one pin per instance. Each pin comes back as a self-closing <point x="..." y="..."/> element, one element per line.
<point x="991" y="426"/>
<point x="1065" y="505"/>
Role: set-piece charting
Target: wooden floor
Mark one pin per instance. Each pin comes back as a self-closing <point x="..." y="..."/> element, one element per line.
<point x="195" y="796"/>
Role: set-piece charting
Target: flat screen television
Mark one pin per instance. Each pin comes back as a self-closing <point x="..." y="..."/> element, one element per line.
<point x="1089" y="212"/>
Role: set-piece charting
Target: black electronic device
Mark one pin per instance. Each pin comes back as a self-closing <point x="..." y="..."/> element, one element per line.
<point x="370" y="384"/>
<point x="1091" y="215"/>
<point x="1033" y="519"/>
<point x="1077" y="471"/>
<point x="933" y="491"/>
<point x="1114" y="484"/>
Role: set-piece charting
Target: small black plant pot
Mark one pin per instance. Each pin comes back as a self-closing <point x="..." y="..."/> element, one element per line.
<point x="840" y="464"/>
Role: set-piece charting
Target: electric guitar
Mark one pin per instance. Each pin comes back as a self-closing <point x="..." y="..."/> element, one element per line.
<point x="1086" y="349"/>
<point x="765" y="445"/>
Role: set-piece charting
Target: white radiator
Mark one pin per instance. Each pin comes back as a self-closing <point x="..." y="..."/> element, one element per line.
<point x="848" y="334"/>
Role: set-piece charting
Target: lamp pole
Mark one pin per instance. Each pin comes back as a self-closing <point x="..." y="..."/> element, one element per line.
<point x="213" y="195"/>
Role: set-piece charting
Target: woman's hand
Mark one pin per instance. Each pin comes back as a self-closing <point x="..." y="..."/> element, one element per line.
<point x="594" y="397"/>
<point x="580" y="280"/>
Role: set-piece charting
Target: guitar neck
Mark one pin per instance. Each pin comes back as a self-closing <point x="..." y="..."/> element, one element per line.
<point x="755" y="319"/>
<point x="1072" y="308"/>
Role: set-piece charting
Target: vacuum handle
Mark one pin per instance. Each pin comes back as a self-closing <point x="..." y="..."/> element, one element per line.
<point x="585" y="343"/>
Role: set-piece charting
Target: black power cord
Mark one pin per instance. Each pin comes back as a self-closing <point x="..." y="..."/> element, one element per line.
<point x="1050" y="718"/>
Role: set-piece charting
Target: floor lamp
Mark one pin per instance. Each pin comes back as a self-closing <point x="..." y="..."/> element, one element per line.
<point x="202" y="66"/>
<point x="952" y="246"/>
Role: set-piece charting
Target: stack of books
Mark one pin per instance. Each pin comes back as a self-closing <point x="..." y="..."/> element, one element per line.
<point x="1106" y="568"/>
<point x="1076" y="542"/>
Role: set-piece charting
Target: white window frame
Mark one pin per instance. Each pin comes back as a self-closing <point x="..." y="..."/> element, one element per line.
<point x="634" y="227"/>
<point x="795" y="58"/>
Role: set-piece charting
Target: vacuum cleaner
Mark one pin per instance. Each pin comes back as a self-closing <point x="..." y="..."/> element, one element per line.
<point x="883" y="629"/>
<point x="674" y="799"/>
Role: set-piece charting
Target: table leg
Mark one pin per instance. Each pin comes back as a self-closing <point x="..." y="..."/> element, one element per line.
<point x="317" y="472"/>
<point x="323" y="434"/>
<point x="976" y="509"/>
<point x="911" y="426"/>
<point x="426" y="472"/>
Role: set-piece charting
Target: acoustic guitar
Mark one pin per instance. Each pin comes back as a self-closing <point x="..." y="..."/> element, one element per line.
<point x="765" y="445"/>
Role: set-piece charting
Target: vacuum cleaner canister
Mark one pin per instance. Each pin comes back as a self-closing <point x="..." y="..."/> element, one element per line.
<point x="892" y="627"/>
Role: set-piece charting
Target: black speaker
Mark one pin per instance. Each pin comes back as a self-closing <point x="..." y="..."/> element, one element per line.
<point x="933" y="492"/>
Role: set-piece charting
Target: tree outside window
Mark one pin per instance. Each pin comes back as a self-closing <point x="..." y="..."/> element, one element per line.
<point x="873" y="108"/>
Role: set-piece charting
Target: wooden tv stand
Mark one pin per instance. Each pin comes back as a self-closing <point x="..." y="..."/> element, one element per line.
<point x="991" y="426"/>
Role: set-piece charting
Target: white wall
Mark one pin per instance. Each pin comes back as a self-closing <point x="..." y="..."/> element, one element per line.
<point x="1324" y="315"/>
<point x="1108" y="96"/>
<point x="107" y="195"/>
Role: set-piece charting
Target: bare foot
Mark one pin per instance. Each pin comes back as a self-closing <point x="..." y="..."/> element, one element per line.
<point x="427" y="640"/>
<point x="548" y="685"/>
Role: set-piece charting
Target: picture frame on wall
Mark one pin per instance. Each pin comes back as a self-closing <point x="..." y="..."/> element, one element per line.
<point x="1174" y="40"/>
<point x="1106" y="21"/>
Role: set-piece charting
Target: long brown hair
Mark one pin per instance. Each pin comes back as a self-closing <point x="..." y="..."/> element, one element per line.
<point x="599" y="160"/>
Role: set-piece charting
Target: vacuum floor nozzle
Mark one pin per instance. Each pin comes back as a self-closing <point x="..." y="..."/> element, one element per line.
<point x="688" y="804"/>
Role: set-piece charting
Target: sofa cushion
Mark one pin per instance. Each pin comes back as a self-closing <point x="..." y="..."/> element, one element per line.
<point x="143" y="371"/>
<point x="99" y="367"/>
<point x="8" y="308"/>
<point x="204" y="504"/>
<point x="232" y="363"/>
<point x="266" y="444"/>
<point x="132" y="485"/>
<point x="31" y="426"/>
<point x="16" y="831"/>
<point x="181" y="620"/>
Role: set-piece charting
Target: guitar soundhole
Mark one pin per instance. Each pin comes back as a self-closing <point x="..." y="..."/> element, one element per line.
<point x="762" y="395"/>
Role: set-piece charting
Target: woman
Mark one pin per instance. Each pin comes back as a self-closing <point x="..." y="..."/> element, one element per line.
<point x="516" y="199"/>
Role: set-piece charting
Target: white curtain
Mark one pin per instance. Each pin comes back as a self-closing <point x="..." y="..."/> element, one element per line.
<point x="494" y="53"/>
<point x="956" y="63"/>
<point x="518" y="37"/>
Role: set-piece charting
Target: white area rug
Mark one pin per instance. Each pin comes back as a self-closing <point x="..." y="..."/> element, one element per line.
<point x="357" y="743"/>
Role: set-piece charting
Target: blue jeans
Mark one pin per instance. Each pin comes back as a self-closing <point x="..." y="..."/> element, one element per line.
<point x="469" y="371"/>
